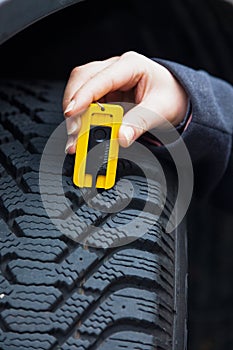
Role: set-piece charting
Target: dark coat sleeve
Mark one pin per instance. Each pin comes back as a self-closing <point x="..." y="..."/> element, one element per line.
<point x="208" y="137"/>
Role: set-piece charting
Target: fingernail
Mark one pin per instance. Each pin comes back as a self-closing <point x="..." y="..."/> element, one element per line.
<point x="71" y="125"/>
<point x="70" y="107"/>
<point x="69" y="143"/>
<point x="129" y="134"/>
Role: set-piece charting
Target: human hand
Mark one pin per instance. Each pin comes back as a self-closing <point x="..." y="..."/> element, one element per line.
<point x="130" y="77"/>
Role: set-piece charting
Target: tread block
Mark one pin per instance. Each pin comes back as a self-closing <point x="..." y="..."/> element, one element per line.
<point x="131" y="265"/>
<point x="32" y="248"/>
<point x="7" y="109"/>
<point x="37" y="144"/>
<point x="123" y="340"/>
<point x="25" y="321"/>
<point x="30" y="105"/>
<point x="132" y="305"/>
<point x="30" y="182"/>
<point x="49" y="117"/>
<point x="25" y="128"/>
<point x="130" y="188"/>
<point x="52" y="92"/>
<point x="18" y="159"/>
<point x="36" y="298"/>
<point x="67" y="273"/>
<point x="115" y="231"/>
<point x="36" y="227"/>
<point x="157" y="240"/>
<point x="129" y="308"/>
<point x="35" y="341"/>
<point x="15" y="202"/>
<point x="5" y="288"/>
<point x="5" y="136"/>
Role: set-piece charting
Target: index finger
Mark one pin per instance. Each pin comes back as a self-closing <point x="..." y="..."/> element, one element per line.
<point x="122" y="74"/>
<point x="80" y="75"/>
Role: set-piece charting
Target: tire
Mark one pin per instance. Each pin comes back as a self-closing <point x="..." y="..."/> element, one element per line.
<point x="15" y="18"/>
<point x="58" y="294"/>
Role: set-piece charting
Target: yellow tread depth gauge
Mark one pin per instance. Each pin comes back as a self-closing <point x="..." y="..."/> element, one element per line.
<point x="97" y="146"/>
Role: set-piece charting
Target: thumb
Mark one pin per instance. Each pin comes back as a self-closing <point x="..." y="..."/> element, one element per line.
<point x="137" y="121"/>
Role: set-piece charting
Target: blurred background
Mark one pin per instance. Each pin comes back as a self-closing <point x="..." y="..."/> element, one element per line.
<point x="195" y="33"/>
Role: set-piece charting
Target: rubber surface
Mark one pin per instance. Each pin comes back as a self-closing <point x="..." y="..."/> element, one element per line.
<point x="15" y="18"/>
<point x="58" y="294"/>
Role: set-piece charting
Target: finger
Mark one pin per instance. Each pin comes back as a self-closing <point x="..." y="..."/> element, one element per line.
<point x="73" y="124"/>
<point x="80" y="75"/>
<point x="71" y="144"/>
<point x="137" y="121"/>
<point x="114" y="96"/>
<point x="120" y="96"/>
<point x="122" y="75"/>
